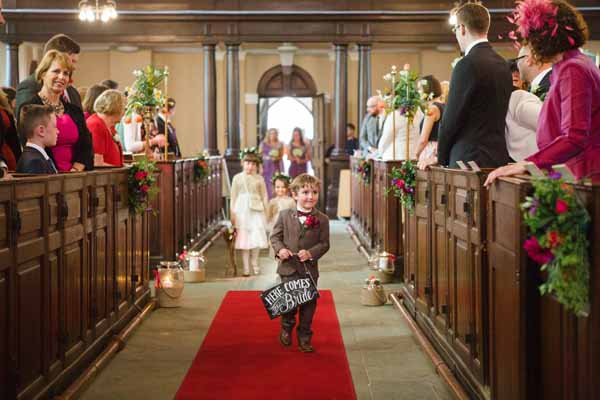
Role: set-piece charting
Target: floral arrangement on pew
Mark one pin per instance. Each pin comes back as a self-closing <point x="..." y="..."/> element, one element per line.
<point x="403" y="184"/>
<point x="558" y="225"/>
<point x="201" y="168"/>
<point x="144" y="91"/>
<point x="142" y="185"/>
<point x="406" y="97"/>
<point x="363" y="170"/>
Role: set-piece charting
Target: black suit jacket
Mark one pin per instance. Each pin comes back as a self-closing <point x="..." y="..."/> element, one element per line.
<point x="542" y="90"/>
<point x="473" y="124"/>
<point x="83" y="151"/>
<point x="34" y="162"/>
<point x="30" y="87"/>
<point x="171" y="137"/>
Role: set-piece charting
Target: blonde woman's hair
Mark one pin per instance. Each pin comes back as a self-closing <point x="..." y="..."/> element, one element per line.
<point x="51" y="56"/>
<point x="267" y="138"/>
<point x="110" y="102"/>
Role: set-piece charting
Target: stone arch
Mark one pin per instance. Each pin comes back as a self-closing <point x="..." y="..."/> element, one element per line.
<point x="281" y="81"/>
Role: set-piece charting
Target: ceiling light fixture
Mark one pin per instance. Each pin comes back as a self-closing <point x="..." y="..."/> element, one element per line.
<point x="90" y="13"/>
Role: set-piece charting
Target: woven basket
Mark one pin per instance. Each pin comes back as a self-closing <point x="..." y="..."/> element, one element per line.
<point x="373" y="295"/>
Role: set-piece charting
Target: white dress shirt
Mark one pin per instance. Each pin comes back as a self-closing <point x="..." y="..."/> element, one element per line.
<point x="538" y="79"/>
<point x="132" y="133"/>
<point x="521" y="124"/>
<point x="475" y="43"/>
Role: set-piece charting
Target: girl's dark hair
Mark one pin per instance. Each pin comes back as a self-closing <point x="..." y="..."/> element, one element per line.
<point x="433" y="86"/>
<point x="299" y="130"/>
<point x="90" y="97"/>
<point x="572" y="33"/>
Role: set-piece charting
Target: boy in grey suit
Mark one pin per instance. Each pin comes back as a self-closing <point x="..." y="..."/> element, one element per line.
<point x="299" y="238"/>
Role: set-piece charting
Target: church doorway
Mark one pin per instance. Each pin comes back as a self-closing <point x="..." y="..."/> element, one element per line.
<point x="287" y="99"/>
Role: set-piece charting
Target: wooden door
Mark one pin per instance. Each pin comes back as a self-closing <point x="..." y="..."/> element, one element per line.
<point x="29" y="226"/>
<point x="8" y="356"/>
<point x="439" y="251"/>
<point x="75" y="273"/>
<point x="319" y="145"/>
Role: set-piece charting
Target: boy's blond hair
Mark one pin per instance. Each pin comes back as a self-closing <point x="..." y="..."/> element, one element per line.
<point x="303" y="180"/>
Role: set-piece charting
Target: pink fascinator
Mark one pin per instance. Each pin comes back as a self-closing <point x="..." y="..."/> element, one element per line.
<point x="539" y="16"/>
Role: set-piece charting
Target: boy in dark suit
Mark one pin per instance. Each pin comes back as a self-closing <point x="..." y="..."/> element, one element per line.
<point x="38" y="125"/>
<point x="300" y="237"/>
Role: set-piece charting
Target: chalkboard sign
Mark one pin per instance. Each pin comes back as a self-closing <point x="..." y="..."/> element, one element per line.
<point x="288" y="296"/>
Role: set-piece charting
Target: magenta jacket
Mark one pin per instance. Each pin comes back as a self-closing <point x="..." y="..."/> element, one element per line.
<point x="569" y="123"/>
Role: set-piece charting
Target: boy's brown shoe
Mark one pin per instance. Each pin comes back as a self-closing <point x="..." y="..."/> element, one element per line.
<point x="285" y="338"/>
<point x="305" y="347"/>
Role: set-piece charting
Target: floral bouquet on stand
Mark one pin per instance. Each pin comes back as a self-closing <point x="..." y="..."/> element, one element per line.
<point x="201" y="168"/>
<point x="363" y="169"/>
<point x="142" y="185"/>
<point x="403" y="184"/>
<point x="558" y="225"/>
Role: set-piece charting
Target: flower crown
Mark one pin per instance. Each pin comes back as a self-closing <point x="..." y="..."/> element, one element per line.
<point x="281" y="177"/>
<point x="538" y="16"/>
<point x="250" y="152"/>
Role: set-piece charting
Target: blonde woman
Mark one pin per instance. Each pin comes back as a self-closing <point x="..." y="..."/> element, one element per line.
<point x="271" y="150"/>
<point x="108" y="111"/>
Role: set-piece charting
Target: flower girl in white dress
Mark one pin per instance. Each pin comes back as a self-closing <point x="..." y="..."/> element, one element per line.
<point x="248" y="206"/>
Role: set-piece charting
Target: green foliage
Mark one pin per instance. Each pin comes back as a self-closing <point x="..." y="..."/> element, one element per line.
<point x="201" y="168"/>
<point x="363" y="170"/>
<point x="144" y="90"/>
<point x="142" y="185"/>
<point x="406" y="95"/>
<point x="558" y="225"/>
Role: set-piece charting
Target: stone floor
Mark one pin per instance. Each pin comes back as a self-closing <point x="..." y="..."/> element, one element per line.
<point x="385" y="360"/>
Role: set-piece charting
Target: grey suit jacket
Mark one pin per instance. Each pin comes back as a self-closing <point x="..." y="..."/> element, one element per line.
<point x="369" y="133"/>
<point x="286" y="235"/>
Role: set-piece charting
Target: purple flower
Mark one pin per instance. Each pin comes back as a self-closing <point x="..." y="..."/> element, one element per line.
<point x="394" y="181"/>
<point x="403" y="110"/>
<point x="554" y="175"/>
<point x="532" y="210"/>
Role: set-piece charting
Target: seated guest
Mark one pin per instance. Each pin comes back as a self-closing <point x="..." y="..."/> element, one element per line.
<point x="38" y="125"/>
<point x="73" y="150"/>
<point x="569" y="123"/>
<point x="521" y="124"/>
<point x="109" y="83"/>
<point x="536" y="73"/>
<point x="351" y="139"/>
<point x="31" y="86"/>
<point x="11" y="147"/>
<point x="109" y="108"/>
<point x="427" y="145"/>
<point x="474" y="121"/>
<point x="90" y="98"/>
<point x="172" y="135"/>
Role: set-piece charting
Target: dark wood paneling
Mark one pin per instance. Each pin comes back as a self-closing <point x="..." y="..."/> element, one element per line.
<point x="7" y="333"/>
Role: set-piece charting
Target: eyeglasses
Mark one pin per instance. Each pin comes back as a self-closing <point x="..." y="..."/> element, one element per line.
<point x="455" y="28"/>
<point x="520" y="58"/>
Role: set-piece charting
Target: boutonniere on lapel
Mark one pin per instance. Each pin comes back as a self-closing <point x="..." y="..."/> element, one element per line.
<point x="307" y="221"/>
<point x="539" y="92"/>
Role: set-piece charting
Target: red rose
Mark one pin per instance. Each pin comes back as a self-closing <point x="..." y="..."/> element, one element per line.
<point x="311" y="221"/>
<point x="561" y="206"/>
<point x="400" y="183"/>
<point x="141" y="175"/>
<point x="554" y="239"/>
<point x="536" y="252"/>
<point x="144" y="188"/>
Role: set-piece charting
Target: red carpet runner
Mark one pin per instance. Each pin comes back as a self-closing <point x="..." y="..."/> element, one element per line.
<point x="241" y="357"/>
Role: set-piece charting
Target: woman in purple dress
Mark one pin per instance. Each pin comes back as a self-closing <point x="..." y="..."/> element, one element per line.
<point x="271" y="150"/>
<point x="298" y="153"/>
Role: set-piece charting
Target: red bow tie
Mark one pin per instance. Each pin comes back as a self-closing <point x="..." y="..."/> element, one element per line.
<point x="303" y="214"/>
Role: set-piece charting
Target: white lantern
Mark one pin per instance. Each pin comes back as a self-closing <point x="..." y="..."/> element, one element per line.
<point x="169" y="284"/>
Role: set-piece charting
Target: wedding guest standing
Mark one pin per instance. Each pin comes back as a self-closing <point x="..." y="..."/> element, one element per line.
<point x="569" y="123"/>
<point x="11" y="145"/>
<point x="172" y="134"/>
<point x="473" y="124"/>
<point x="90" y="98"/>
<point x="521" y="124"/>
<point x="351" y="139"/>
<point x="371" y="127"/>
<point x="298" y="152"/>
<point x="536" y="73"/>
<point x="11" y="95"/>
<point x="393" y="146"/>
<point x="427" y="144"/>
<point x="73" y="150"/>
<point x="271" y="151"/>
<point x="109" y="108"/>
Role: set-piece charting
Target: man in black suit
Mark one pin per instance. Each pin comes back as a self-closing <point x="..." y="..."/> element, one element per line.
<point x="473" y="124"/>
<point x="38" y="124"/>
<point x="30" y="86"/>
<point x="535" y="73"/>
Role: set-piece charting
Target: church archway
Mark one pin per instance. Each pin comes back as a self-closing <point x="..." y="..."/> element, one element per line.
<point x="280" y="81"/>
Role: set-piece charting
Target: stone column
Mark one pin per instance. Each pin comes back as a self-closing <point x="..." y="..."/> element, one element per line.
<point x="364" y="80"/>
<point x="210" y="100"/>
<point x="339" y="158"/>
<point x="233" y="108"/>
<point x="12" y="64"/>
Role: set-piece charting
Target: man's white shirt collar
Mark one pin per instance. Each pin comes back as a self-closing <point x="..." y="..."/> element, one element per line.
<point x="475" y="43"/>
<point x="38" y="148"/>
<point x="536" y="81"/>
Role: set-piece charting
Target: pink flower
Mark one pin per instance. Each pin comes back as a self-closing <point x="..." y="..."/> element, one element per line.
<point x="406" y="67"/>
<point x="311" y="221"/>
<point x="536" y="252"/>
<point x="141" y="175"/>
<point x="400" y="183"/>
<point x="534" y="15"/>
<point x="144" y="188"/>
<point x="561" y="206"/>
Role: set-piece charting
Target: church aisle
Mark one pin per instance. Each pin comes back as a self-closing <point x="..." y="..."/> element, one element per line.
<point x="385" y="360"/>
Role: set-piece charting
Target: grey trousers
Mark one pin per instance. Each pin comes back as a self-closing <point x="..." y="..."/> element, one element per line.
<point x="306" y="311"/>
